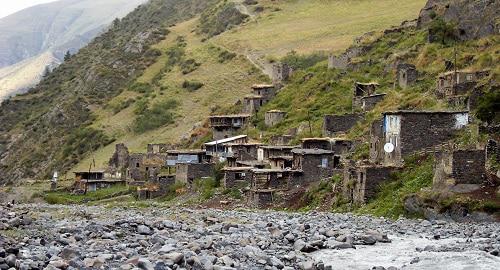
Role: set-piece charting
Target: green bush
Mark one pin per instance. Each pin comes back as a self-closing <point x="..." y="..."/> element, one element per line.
<point x="225" y="56"/>
<point x="206" y="187"/>
<point x="217" y="20"/>
<point x="189" y="66"/>
<point x="442" y="31"/>
<point x="297" y="61"/>
<point x="159" y="115"/>
<point x="489" y="107"/>
<point x="140" y="87"/>
<point x="192" y="85"/>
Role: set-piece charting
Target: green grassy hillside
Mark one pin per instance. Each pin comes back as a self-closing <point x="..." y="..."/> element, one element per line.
<point x="225" y="82"/>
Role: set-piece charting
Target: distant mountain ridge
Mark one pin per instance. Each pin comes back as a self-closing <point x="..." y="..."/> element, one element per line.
<point x="32" y="34"/>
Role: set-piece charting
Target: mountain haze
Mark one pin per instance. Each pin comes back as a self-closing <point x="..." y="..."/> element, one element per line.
<point x="39" y="36"/>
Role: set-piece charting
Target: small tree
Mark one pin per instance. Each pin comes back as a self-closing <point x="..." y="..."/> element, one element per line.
<point x="67" y="56"/>
<point x="488" y="107"/>
<point x="442" y="31"/>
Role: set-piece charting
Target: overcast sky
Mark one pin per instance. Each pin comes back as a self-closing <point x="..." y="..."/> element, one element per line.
<point x="8" y="7"/>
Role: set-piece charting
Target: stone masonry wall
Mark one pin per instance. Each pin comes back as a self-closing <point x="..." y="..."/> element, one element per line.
<point x="469" y="166"/>
<point x="333" y="124"/>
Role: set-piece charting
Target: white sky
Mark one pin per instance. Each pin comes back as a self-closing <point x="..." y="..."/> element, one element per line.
<point x="8" y="7"/>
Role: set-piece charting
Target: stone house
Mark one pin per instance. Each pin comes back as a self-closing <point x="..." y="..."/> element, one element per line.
<point x="237" y="177"/>
<point x="260" y="198"/>
<point x="281" y="73"/>
<point x="224" y="126"/>
<point x="281" y="162"/>
<point x="457" y="83"/>
<point x="93" y="180"/>
<point x="188" y="172"/>
<point x="369" y="102"/>
<point x="264" y="152"/>
<point x="411" y="131"/>
<point x="315" y="164"/>
<point x="261" y="94"/>
<point x="156" y="188"/>
<point x="361" y="90"/>
<point x="459" y="170"/>
<point x="217" y="150"/>
<point x="241" y="152"/>
<point x="362" y="183"/>
<point x="274" y="117"/>
<point x="145" y="167"/>
<point x="340" y="124"/>
<point x="406" y="75"/>
<point x="338" y="145"/>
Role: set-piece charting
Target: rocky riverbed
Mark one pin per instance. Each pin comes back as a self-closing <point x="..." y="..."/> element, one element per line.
<point x="90" y="237"/>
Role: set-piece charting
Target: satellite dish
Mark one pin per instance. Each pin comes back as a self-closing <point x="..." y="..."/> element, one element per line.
<point x="389" y="147"/>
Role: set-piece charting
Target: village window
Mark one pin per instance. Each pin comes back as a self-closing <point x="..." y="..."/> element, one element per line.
<point x="147" y="169"/>
<point x="137" y="165"/>
<point x="469" y="77"/>
<point x="324" y="162"/>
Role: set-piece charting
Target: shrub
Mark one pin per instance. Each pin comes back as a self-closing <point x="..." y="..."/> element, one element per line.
<point x="488" y="107"/>
<point x="442" y="31"/>
<point x="192" y="85"/>
<point x="159" y="115"/>
<point x="189" y="66"/>
<point x="206" y="187"/>
<point x="297" y="61"/>
<point x="225" y="56"/>
<point x="140" y="87"/>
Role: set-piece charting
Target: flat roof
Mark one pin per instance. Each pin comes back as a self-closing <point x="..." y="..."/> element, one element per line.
<point x="279" y="146"/>
<point x="302" y="151"/>
<point x="257" y="86"/>
<point x="92" y="171"/>
<point x="272" y="170"/>
<point x="374" y="95"/>
<point x="368" y="83"/>
<point x="253" y="97"/>
<point x="251" y="162"/>
<point x="463" y="71"/>
<point x="282" y="157"/>
<point x="226" y="140"/>
<point x="230" y="116"/>
<point x="186" y="151"/>
<point x="316" y="139"/>
<point x="244" y="144"/>
<point x="423" y="112"/>
<point x="275" y="111"/>
<point x="247" y="168"/>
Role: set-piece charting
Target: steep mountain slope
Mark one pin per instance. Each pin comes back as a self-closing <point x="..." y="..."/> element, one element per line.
<point x="48" y="128"/>
<point x="55" y="28"/>
<point x="227" y="82"/>
<point x="112" y="91"/>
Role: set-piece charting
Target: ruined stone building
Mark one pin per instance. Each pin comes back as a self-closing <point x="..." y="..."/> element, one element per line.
<point x="361" y="90"/>
<point x="281" y="162"/>
<point x="266" y="183"/>
<point x="224" y="126"/>
<point x="406" y="75"/>
<point x="369" y="102"/>
<point x="280" y="139"/>
<point x="239" y="177"/>
<point x="145" y="167"/>
<point x="274" y="117"/>
<point x="334" y="125"/>
<point x="412" y="131"/>
<point x="118" y="163"/>
<point x="261" y="94"/>
<point x="362" y="183"/>
<point x="93" y="180"/>
<point x="455" y="87"/>
<point x="343" y="60"/>
<point x="158" y="148"/>
<point x="459" y="170"/>
<point x="188" y="172"/>
<point x="281" y="73"/>
<point x="217" y="150"/>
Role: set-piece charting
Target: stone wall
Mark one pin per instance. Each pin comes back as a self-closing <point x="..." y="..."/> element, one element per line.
<point x="234" y="178"/>
<point x="312" y="170"/>
<point x="406" y="75"/>
<point x="260" y="199"/>
<point x="419" y="131"/>
<point x="369" y="102"/>
<point x="281" y="72"/>
<point x="188" y="172"/>
<point x="469" y="166"/>
<point x="366" y="181"/>
<point x="336" y="124"/>
<point x="273" y="118"/>
<point x="120" y="159"/>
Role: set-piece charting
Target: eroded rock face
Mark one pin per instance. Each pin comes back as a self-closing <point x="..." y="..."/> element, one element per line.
<point x="474" y="19"/>
<point x="80" y="237"/>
